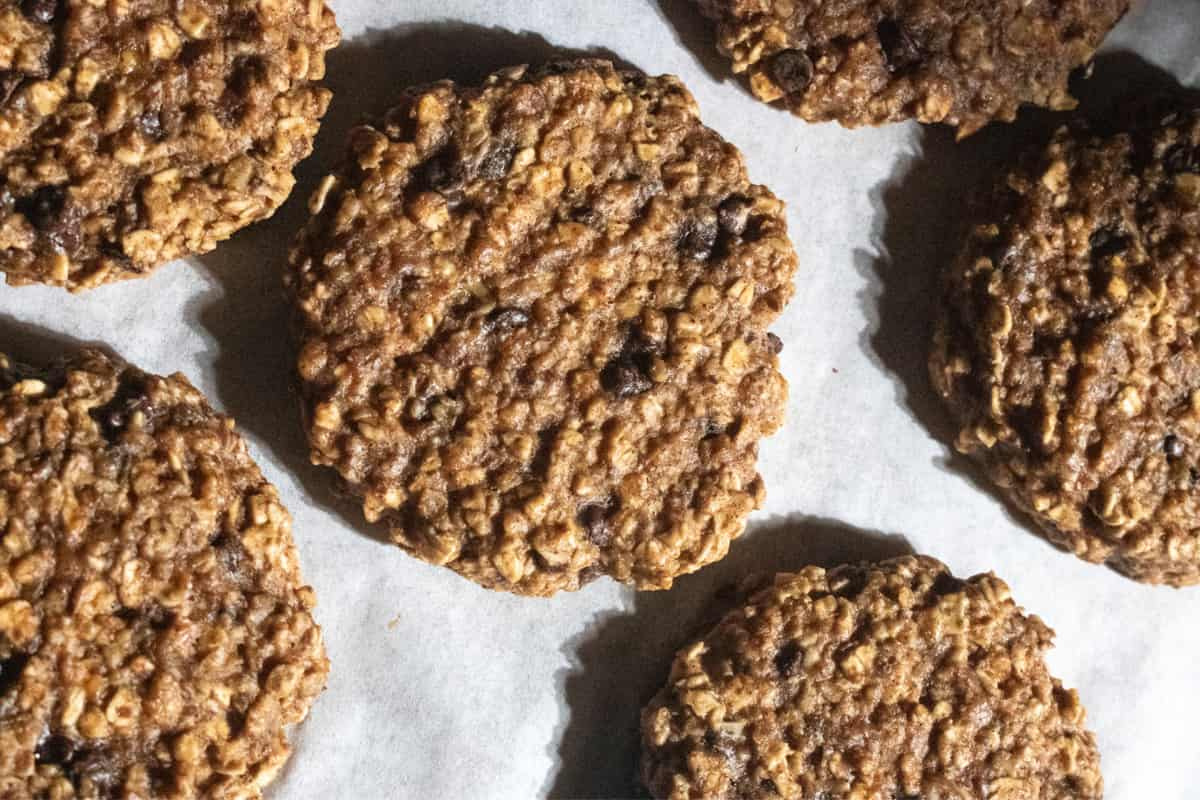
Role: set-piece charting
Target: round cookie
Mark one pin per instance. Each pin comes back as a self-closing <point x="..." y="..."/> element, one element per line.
<point x="155" y="638"/>
<point x="867" y="62"/>
<point x="1066" y="345"/>
<point x="533" y="323"/>
<point x="133" y="133"/>
<point x="888" y="680"/>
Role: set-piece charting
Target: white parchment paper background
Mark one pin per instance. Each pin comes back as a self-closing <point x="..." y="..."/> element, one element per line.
<point x="443" y="690"/>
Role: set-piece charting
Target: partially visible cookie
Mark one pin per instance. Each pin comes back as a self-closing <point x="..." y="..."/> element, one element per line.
<point x="867" y="62"/>
<point x="134" y="133"/>
<point x="888" y="680"/>
<point x="533" y="320"/>
<point x="1066" y="345"/>
<point x="155" y="638"/>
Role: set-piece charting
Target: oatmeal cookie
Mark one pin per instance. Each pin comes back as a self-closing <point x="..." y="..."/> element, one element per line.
<point x="155" y="639"/>
<point x="140" y="131"/>
<point x="1066" y="345"/>
<point x="867" y="62"/>
<point x="533" y="318"/>
<point x="870" y="681"/>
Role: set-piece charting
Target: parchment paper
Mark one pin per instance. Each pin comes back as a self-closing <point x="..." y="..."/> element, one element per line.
<point x="440" y="689"/>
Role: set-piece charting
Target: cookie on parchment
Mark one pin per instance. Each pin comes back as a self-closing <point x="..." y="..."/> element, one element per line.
<point x="136" y="132"/>
<point x="533" y="319"/>
<point x="155" y="638"/>
<point x="888" y="680"/>
<point x="868" y="62"/>
<point x="1066" y="345"/>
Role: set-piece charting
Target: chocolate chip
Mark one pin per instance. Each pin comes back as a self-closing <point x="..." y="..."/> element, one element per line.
<point x="114" y="416"/>
<point x="503" y="320"/>
<point x="43" y="11"/>
<point x="850" y="581"/>
<point x="585" y="215"/>
<point x="1173" y="447"/>
<point x="54" y="750"/>
<point x="495" y="165"/>
<point x="150" y="125"/>
<point x="9" y="81"/>
<point x="698" y="235"/>
<point x="44" y="206"/>
<point x="50" y="211"/>
<point x="792" y="70"/>
<point x="712" y="429"/>
<point x="1108" y="242"/>
<point x="444" y="173"/>
<point x="733" y="213"/>
<point x="945" y="583"/>
<point x="96" y="766"/>
<point x="1182" y="158"/>
<point x="624" y="379"/>
<point x="628" y="373"/>
<point x="774" y="343"/>
<point x="10" y="671"/>
<point x="786" y="658"/>
<point x="594" y="519"/>
<point x="899" y="48"/>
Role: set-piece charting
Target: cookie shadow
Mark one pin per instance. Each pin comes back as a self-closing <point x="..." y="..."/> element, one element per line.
<point x="696" y="34"/>
<point x="247" y="318"/>
<point x="36" y="346"/>
<point x="623" y="658"/>
<point x="920" y="224"/>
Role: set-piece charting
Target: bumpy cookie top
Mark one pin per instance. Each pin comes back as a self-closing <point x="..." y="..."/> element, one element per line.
<point x="155" y="639"/>
<point x="533" y="319"/>
<point x="1066" y="348"/>
<point x="133" y="132"/>
<point x="866" y="62"/>
<point x="893" y="680"/>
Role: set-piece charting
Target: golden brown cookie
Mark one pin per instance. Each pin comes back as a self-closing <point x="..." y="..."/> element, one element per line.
<point x="533" y="318"/>
<point x="155" y="637"/>
<point x="1066" y="346"/>
<point x="892" y="680"/>
<point x="867" y="62"/>
<point x="136" y="132"/>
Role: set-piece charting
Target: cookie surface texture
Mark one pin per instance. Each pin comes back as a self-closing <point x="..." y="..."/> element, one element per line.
<point x="133" y="133"/>
<point x="1066" y="346"/>
<point x="868" y="62"/>
<point x="155" y="638"/>
<point x="888" y="680"/>
<point x="533" y="328"/>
